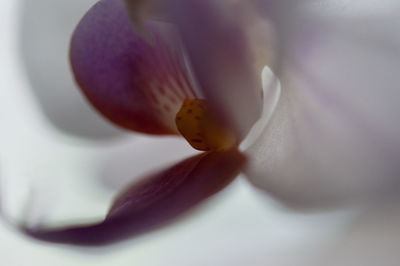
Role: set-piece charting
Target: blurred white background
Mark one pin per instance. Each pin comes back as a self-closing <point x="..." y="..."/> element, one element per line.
<point x="59" y="161"/>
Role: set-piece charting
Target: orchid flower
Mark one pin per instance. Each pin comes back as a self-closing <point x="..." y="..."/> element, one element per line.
<point x="192" y="68"/>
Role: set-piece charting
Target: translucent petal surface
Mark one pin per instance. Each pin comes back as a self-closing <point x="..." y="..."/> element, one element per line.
<point x="138" y="84"/>
<point x="335" y="133"/>
<point x="155" y="201"/>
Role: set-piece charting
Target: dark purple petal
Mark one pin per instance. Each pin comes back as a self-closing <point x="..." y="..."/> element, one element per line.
<point x="137" y="84"/>
<point x="155" y="201"/>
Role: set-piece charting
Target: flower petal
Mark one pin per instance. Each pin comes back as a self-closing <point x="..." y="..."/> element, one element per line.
<point x="136" y="83"/>
<point x="221" y="56"/>
<point x="155" y="201"/>
<point x="335" y="135"/>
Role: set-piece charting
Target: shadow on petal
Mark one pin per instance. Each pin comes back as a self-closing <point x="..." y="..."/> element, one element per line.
<point x="155" y="201"/>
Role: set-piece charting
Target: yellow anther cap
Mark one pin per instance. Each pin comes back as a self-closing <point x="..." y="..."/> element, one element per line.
<point x="197" y="125"/>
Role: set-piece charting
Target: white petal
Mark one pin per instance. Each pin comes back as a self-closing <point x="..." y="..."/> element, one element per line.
<point x="336" y="132"/>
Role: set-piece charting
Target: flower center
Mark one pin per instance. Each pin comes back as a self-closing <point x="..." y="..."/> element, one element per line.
<point x="197" y="125"/>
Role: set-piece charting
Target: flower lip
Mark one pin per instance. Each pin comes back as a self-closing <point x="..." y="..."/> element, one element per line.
<point x="141" y="83"/>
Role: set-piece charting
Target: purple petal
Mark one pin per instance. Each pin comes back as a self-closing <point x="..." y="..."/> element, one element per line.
<point x="136" y="83"/>
<point x="335" y="135"/>
<point x="155" y="201"/>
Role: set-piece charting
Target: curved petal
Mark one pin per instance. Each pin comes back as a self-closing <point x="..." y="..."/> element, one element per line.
<point x="155" y="201"/>
<point x="216" y="36"/>
<point x="335" y="135"/>
<point x="137" y="84"/>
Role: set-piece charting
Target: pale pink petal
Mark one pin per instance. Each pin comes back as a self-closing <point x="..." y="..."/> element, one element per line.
<point x="335" y="135"/>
